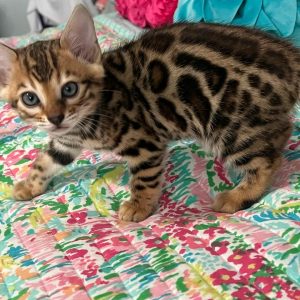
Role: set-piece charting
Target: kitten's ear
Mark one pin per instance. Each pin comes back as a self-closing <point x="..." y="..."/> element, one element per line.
<point x="7" y="57"/>
<point x="79" y="36"/>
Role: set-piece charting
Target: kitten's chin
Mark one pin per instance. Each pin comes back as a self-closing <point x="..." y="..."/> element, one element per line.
<point x="59" y="131"/>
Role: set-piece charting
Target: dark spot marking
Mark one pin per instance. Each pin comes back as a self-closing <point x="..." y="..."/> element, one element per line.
<point x="246" y="101"/>
<point x="138" y="96"/>
<point x="254" y="80"/>
<point x="152" y="162"/>
<point x="190" y="93"/>
<point x="38" y="167"/>
<point x="151" y="178"/>
<point x="238" y="70"/>
<point x="243" y="49"/>
<point x="275" y="100"/>
<point x="248" y="203"/>
<point x="153" y="185"/>
<point x="168" y="110"/>
<point x="132" y="151"/>
<point x="116" y="61"/>
<point x="268" y="153"/>
<point x="158" y="76"/>
<point x="149" y="146"/>
<point x="142" y="58"/>
<point x="62" y="158"/>
<point x="266" y="89"/>
<point x="157" y="41"/>
<point x="136" y="68"/>
<point x="242" y="146"/>
<point x="135" y="125"/>
<point x="219" y="121"/>
<point x="124" y="129"/>
<point x="139" y="187"/>
<point x="215" y="76"/>
<point x="228" y="100"/>
<point x="274" y="62"/>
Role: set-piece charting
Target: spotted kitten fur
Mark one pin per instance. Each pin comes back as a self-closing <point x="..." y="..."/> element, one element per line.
<point x="231" y="88"/>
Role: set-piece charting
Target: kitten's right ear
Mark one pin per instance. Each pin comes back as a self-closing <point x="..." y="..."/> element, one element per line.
<point x="7" y="57"/>
<point x="80" y="37"/>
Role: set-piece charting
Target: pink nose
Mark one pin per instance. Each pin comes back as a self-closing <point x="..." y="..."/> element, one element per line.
<point x="56" y="120"/>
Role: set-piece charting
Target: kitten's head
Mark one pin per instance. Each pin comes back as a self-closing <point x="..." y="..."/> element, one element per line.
<point x="54" y="84"/>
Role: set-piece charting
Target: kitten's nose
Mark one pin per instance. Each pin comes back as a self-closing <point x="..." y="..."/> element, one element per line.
<point x="56" y="120"/>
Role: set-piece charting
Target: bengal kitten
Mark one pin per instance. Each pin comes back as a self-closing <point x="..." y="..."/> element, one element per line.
<point x="231" y="88"/>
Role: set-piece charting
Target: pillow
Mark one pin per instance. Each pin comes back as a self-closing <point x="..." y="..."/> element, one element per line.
<point x="147" y="13"/>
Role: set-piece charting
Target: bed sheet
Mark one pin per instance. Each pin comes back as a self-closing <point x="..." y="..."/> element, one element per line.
<point x="69" y="244"/>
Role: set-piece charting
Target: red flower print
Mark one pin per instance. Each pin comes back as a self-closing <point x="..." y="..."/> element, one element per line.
<point x="223" y="276"/>
<point x="32" y="154"/>
<point x="77" y="217"/>
<point x="91" y="271"/>
<point x="265" y="284"/>
<point x="251" y="266"/>
<point x="62" y="199"/>
<point x="212" y="231"/>
<point x="110" y="253"/>
<point x="195" y="242"/>
<point x="218" y="248"/>
<point x="14" y="157"/>
<point x="156" y="243"/>
<point x="75" y="253"/>
<point x="243" y="293"/>
<point x="250" y="261"/>
<point x="119" y="241"/>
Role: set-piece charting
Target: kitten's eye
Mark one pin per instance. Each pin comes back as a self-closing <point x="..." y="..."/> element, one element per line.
<point x="69" y="89"/>
<point x="30" y="99"/>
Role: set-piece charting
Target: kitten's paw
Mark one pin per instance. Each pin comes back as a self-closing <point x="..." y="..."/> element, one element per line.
<point x="22" y="191"/>
<point x="133" y="211"/>
<point x="226" y="202"/>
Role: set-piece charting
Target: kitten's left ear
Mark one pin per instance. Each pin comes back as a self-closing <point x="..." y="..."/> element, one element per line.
<point x="7" y="57"/>
<point x="79" y="36"/>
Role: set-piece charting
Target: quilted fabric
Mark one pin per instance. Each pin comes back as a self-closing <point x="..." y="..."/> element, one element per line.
<point x="69" y="244"/>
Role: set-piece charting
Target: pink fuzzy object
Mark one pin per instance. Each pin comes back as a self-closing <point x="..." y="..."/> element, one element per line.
<point x="152" y="13"/>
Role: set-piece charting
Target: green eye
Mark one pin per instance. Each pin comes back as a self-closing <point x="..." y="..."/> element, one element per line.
<point x="69" y="89"/>
<point x="30" y="99"/>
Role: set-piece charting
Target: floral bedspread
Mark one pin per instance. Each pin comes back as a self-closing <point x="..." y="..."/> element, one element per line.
<point x="69" y="244"/>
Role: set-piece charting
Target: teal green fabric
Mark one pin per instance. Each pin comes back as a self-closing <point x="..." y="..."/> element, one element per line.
<point x="278" y="16"/>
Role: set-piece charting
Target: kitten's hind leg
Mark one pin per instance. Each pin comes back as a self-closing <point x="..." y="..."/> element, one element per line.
<point x="258" y="176"/>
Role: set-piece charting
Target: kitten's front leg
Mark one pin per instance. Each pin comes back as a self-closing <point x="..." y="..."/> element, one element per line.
<point x="46" y="165"/>
<point x="145" y="187"/>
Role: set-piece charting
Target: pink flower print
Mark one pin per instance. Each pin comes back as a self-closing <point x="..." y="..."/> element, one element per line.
<point x="75" y="253"/>
<point x="7" y="120"/>
<point x="223" y="276"/>
<point x="32" y="154"/>
<point x="91" y="271"/>
<point x="14" y="157"/>
<point x="265" y="284"/>
<point x="62" y="199"/>
<point x="77" y="217"/>
<point x="243" y="293"/>
<point x="156" y="243"/>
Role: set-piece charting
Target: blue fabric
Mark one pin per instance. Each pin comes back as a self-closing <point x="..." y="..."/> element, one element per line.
<point x="278" y="16"/>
